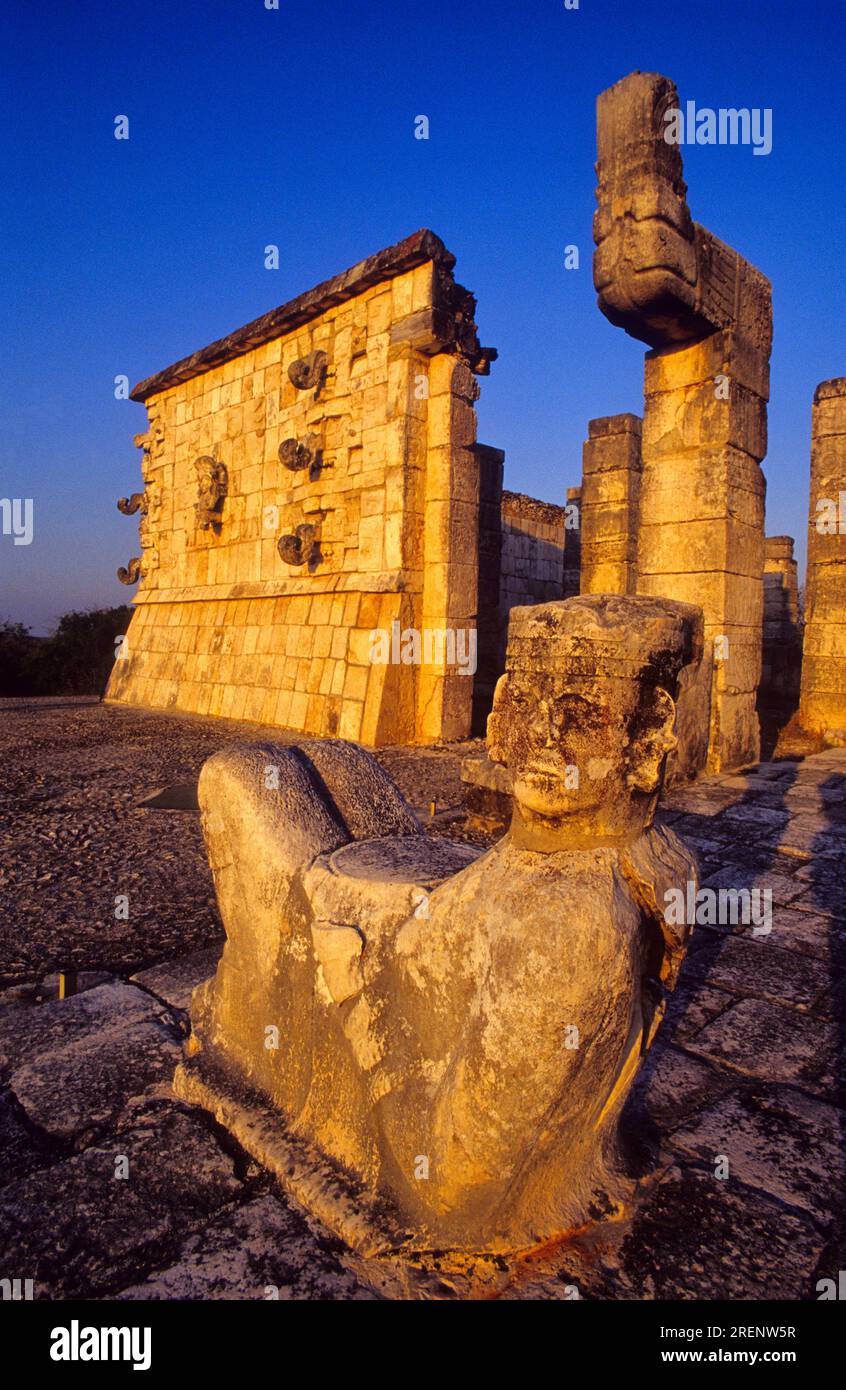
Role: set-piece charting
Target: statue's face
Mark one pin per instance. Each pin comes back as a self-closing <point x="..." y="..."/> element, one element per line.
<point x="574" y="748"/>
<point x="206" y="488"/>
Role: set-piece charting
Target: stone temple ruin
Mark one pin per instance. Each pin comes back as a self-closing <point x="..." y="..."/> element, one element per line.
<point x="314" y="479"/>
<point x="313" y="482"/>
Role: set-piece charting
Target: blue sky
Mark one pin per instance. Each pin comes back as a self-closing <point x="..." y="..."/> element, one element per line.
<point x="296" y="127"/>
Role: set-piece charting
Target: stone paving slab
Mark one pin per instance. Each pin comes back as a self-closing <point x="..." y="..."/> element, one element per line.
<point x="778" y="1141"/>
<point x="694" y="1003"/>
<point x="50" y="1026"/>
<point x="261" y="1250"/>
<point x="23" y="1148"/>
<point x="809" y="933"/>
<point x="695" y="1238"/>
<point x="71" y="1090"/>
<point x="692" y="1237"/>
<point x="174" y="981"/>
<point x="760" y="877"/>
<point x="754" y="966"/>
<point x="672" y="1086"/>
<point x="767" y="1041"/>
<point x="80" y="1231"/>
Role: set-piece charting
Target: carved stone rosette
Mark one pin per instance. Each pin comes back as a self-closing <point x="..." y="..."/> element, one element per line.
<point x="299" y="548"/>
<point x="309" y="373"/>
<point x="297" y="455"/>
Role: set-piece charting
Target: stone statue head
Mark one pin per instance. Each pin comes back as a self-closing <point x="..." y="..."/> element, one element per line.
<point x="584" y="716"/>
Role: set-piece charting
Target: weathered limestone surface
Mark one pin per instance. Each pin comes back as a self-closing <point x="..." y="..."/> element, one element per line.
<point x="453" y="1037"/>
<point x="340" y="428"/>
<point x="823" y="699"/>
<point x="706" y="313"/>
<point x="782" y="646"/>
<point x="610" y="505"/>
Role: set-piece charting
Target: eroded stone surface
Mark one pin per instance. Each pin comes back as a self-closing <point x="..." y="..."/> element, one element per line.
<point x="756" y="965"/>
<point x="674" y="1085"/>
<point x="767" y="1041"/>
<point x="261" y="1250"/>
<point x="69" y="1090"/>
<point x="51" y="1026"/>
<point x="423" y="1044"/>
<point x="79" y="1230"/>
<point x="695" y="1238"/>
<point x="174" y="981"/>
<point x="777" y="1141"/>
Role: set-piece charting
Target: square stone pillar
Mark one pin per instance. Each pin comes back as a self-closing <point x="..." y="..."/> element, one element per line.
<point x="701" y="536"/>
<point x="822" y="706"/>
<point x="706" y="313"/>
<point x="782" y="651"/>
<point x="450" y="548"/>
<point x="489" y="667"/>
<point x="572" y="571"/>
<point x="610" y="510"/>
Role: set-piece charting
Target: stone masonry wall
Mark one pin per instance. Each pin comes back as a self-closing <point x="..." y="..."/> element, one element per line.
<point x="489" y="656"/>
<point x="532" y="564"/>
<point x="224" y="623"/>
<point x="573" y="544"/>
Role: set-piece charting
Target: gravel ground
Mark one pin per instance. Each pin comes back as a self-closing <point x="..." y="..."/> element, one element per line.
<point x="73" y="837"/>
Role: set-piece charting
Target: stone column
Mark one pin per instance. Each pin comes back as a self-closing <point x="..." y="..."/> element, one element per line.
<point x="823" y="700"/>
<point x="450" y="549"/>
<point x="782" y="652"/>
<point x="489" y="668"/>
<point x="706" y="314"/>
<point x="571" y="576"/>
<point x="610" y="512"/>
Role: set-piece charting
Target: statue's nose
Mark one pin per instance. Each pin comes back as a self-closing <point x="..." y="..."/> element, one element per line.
<point x="546" y="725"/>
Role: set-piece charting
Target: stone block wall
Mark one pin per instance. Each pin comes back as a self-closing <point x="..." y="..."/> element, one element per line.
<point x="534" y="538"/>
<point x="489" y="656"/>
<point x="381" y="436"/>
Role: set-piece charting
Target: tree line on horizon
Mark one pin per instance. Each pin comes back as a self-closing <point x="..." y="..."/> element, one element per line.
<point x="76" y="659"/>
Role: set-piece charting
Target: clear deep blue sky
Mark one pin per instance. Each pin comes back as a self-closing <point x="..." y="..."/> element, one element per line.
<point x="296" y="127"/>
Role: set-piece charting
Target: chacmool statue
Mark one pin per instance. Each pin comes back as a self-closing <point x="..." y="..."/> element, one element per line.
<point x="431" y="1044"/>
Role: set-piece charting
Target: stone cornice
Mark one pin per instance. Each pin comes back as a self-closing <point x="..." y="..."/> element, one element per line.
<point x="385" y="265"/>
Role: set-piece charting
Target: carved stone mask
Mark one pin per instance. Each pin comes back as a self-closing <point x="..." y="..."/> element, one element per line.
<point x="211" y="478"/>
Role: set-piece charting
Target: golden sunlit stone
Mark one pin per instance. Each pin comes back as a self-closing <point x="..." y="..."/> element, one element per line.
<point x="429" y="1045"/>
<point x="309" y="479"/>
